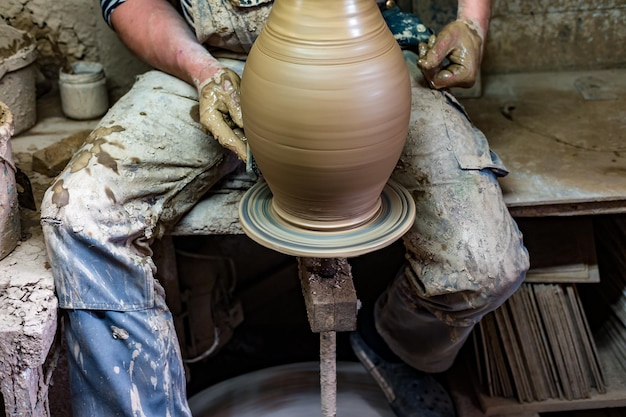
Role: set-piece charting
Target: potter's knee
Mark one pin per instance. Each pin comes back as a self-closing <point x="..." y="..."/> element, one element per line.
<point x="464" y="286"/>
<point x="497" y="277"/>
<point x="50" y="211"/>
<point x="515" y="265"/>
<point x="506" y="269"/>
<point x="510" y="259"/>
<point x="55" y="206"/>
<point x="72" y="210"/>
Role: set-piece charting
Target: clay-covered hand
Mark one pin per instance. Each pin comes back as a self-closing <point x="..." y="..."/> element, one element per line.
<point x="459" y="42"/>
<point x="220" y="111"/>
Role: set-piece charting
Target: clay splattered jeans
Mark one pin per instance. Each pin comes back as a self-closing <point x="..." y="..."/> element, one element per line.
<point x="149" y="161"/>
<point x="145" y="165"/>
<point x="465" y="253"/>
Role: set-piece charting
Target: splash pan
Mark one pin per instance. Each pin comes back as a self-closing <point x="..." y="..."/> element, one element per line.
<point x="289" y="391"/>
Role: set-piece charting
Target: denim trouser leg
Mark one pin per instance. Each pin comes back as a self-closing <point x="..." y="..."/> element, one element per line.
<point x="145" y="165"/>
<point x="125" y="363"/>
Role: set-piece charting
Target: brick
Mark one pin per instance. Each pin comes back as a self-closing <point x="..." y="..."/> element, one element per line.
<point x="51" y="160"/>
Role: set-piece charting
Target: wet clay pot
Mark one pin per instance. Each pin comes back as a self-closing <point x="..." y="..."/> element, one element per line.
<point x="325" y="96"/>
<point x="9" y="209"/>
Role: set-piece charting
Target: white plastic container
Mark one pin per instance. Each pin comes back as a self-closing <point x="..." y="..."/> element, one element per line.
<point x="83" y="92"/>
<point x="9" y="208"/>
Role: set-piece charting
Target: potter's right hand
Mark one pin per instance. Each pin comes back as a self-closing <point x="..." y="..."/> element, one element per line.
<point x="220" y="111"/>
<point x="459" y="42"/>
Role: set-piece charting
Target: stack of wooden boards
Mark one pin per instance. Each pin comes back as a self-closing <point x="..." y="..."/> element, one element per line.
<point x="537" y="346"/>
<point x="542" y="344"/>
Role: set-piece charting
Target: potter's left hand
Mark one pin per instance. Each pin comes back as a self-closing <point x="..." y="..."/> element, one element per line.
<point x="461" y="44"/>
<point x="220" y="111"/>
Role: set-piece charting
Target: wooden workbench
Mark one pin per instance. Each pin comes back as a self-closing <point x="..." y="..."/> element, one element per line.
<point x="562" y="137"/>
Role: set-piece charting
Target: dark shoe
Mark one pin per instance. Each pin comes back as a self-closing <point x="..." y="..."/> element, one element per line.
<point x="410" y="393"/>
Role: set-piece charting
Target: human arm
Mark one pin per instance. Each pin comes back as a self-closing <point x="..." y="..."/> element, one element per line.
<point x="157" y="34"/>
<point x="462" y="43"/>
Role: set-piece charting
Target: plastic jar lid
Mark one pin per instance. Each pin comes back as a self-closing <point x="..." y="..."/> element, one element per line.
<point x="83" y="72"/>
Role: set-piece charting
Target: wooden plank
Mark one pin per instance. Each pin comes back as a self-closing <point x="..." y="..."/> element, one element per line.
<point x="500" y="381"/>
<point x="579" y="208"/>
<point x="512" y="354"/>
<point x="563" y="332"/>
<point x="541" y="346"/>
<point x="51" y="160"/>
<point x="587" y="343"/>
<point x="329" y="294"/>
<point x="529" y="348"/>
<point x="571" y="342"/>
<point x="462" y="393"/>
<point x="614" y="397"/>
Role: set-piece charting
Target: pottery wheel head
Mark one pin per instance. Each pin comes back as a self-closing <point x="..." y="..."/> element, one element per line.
<point x="262" y="224"/>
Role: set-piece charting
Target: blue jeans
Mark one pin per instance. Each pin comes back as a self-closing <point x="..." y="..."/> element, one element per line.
<point x="145" y="165"/>
<point x="125" y="364"/>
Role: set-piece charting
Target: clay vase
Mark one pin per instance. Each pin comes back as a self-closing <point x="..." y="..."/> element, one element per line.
<point x="9" y="209"/>
<point x="326" y="97"/>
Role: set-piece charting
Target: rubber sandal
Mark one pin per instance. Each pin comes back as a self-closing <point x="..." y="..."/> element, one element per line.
<point x="410" y="393"/>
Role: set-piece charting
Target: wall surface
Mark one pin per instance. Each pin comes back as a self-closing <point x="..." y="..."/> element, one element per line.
<point x="72" y="30"/>
<point x="542" y="35"/>
<point x="526" y="35"/>
<point x="545" y="35"/>
<point x="61" y="28"/>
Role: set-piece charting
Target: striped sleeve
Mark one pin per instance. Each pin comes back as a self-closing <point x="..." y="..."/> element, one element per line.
<point x="107" y="8"/>
<point x="185" y="5"/>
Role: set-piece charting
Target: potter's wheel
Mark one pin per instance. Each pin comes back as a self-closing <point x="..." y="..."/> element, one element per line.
<point x="291" y="391"/>
<point x="261" y="223"/>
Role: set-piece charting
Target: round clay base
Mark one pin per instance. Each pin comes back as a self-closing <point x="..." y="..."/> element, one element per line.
<point x="325" y="226"/>
<point x="261" y="223"/>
